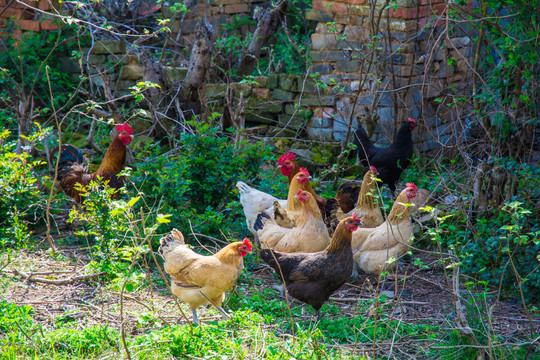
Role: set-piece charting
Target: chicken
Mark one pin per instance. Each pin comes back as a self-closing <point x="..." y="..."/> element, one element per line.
<point x="366" y="208"/>
<point x="287" y="218"/>
<point x="71" y="170"/>
<point x="313" y="277"/>
<point x="289" y="167"/>
<point x="375" y="246"/>
<point x="346" y="196"/>
<point x="198" y="279"/>
<point x="254" y="202"/>
<point x="309" y="234"/>
<point x="390" y="161"/>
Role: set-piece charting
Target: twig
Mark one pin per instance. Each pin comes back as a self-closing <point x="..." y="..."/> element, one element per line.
<point x="71" y="280"/>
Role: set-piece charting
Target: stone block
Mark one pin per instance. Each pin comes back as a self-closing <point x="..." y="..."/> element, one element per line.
<point x="261" y="81"/>
<point x="385" y="99"/>
<point x="323" y="68"/>
<point x="386" y="114"/>
<point x="319" y="15"/>
<point x="236" y="8"/>
<point x="307" y="86"/>
<point x="216" y="90"/>
<point x="319" y="100"/>
<point x="350" y="45"/>
<point x="317" y="56"/>
<point x="260" y="118"/>
<point x="323" y="41"/>
<point x="324" y="112"/>
<point x="282" y="95"/>
<point x="347" y="66"/>
<point x="321" y="122"/>
<point x="69" y="65"/>
<point x="260" y="93"/>
<point x="131" y="72"/>
<point x="257" y="105"/>
<point x="288" y="82"/>
<point x="291" y="122"/>
<point x="348" y="19"/>
<point x="109" y="47"/>
<point x="341" y="123"/>
<point x="294" y="109"/>
<point x="175" y="74"/>
<point x="320" y="134"/>
<point x="403" y="59"/>
<point x="273" y="81"/>
<point x="445" y="71"/>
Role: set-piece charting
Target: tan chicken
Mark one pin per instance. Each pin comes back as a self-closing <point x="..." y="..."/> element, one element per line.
<point x="199" y="279"/>
<point x="373" y="247"/>
<point x="366" y="208"/>
<point x="309" y="234"/>
<point x="288" y="217"/>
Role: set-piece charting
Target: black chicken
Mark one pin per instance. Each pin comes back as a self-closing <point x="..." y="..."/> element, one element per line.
<point x="313" y="277"/>
<point x="391" y="161"/>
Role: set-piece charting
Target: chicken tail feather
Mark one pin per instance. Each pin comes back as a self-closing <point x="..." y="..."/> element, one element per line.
<point x="69" y="156"/>
<point x="331" y="209"/>
<point x="262" y="219"/>
<point x="171" y="241"/>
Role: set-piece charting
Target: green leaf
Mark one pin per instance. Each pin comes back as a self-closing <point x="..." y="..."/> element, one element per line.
<point x="130" y="287"/>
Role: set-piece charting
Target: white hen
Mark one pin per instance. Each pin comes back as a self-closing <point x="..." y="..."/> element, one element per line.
<point x="254" y="202"/>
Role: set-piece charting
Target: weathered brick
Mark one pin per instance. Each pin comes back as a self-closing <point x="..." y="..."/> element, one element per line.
<point x="216" y="90"/>
<point x="323" y="41"/>
<point x="260" y="93"/>
<point x="282" y="95"/>
<point x="291" y="122"/>
<point x="348" y="19"/>
<point x="323" y="16"/>
<point x="273" y="81"/>
<point x="131" y="72"/>
<point x="175" y="74"/>
<point x="329" y="55"/>
<point x="320" y="122"/>
<point x="324" y="112"/>
<point x="319" y="100"/>
<point x="347" y="66"/>
<point x="291" y="109"/>
<point x="323" y="68"/>
<point x="320" y="134"/>
<point x="109" y="47"/>
<point x="288" y="82"/>
<point x="261" y="81"/>
<point x="349" y="45"/>
<point x="236" y="8"/>
<point x="28" y="25"/>
<point x="403" y="59"/>
<point x="354" y="2"/>
<point x="49" y="25"/>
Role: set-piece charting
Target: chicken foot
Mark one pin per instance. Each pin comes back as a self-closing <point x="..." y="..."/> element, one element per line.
<point x="195" y="318"/>
<point x="218" y="308"/>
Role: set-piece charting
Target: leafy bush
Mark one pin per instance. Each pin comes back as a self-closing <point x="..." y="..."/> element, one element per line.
<point x="196" y="185"/>
<point x="19" y="193"/>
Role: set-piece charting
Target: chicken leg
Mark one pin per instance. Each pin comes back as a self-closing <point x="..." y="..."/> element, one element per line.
<point x="195" y="318"/>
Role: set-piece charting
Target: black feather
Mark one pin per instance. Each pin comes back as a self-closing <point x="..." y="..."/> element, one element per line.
<point x="262" y="219"/>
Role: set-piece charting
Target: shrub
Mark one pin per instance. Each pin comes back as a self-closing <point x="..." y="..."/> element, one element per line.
<point x="19" y="193"/>
<point x="196" y="185"/>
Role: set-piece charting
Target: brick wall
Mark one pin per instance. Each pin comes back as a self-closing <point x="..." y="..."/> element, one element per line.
<point x="27" y="16"/>
<point x="415" y="72"/>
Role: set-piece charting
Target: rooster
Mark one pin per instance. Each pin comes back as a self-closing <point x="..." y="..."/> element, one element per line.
<point x="366" y="208"/>
<point x="375" y="246"/>
<point x="198" y="279"/>
<point x="71" y="170"/>
<point x="313" y="277"/>
<point x="309" y="234"/>
<point x="254" y="202"/>
<point x="346" y="196"/>
<point x="390" y="161"/>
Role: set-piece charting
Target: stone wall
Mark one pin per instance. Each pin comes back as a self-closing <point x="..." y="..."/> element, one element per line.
<point x="414" y="72"/>
<point x="27" y="17"/>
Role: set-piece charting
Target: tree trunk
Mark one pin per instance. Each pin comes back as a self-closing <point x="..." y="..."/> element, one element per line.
<point x="267" y="25"/>
<point x="199" y="64"/>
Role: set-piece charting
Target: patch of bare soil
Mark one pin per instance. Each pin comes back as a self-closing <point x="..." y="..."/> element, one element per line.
<point x="413" y="295"/>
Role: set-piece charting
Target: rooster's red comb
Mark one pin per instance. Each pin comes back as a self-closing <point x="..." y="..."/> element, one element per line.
<point x="287" y="156"/>
<point x="354" y="217"/>
<point x="304" y="170"/>
<point x="126" y="128"/>
<point x="373" y="170"/>
<point x="248" y="243"/>
<point x="411" y="185"/>
<point x="299" y="191"/>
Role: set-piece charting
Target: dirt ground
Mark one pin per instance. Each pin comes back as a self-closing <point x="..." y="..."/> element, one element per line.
<point x="419" y="296"/>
